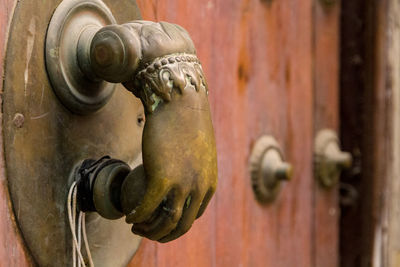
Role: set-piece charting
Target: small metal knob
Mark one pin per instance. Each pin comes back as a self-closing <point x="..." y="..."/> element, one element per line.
<point x="329" y="159"/>
<point x="268" y="169"/>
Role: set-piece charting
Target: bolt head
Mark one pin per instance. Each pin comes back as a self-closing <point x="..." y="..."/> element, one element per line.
<point x="19" y="120"/>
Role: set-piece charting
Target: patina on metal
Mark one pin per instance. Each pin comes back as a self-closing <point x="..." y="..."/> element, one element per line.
<point x="268" y="169"/>
<point x="157" y="62"/>
<point x="329" y="160"/>
<point x="43" y="141"/>
<point x="72" y="26"/>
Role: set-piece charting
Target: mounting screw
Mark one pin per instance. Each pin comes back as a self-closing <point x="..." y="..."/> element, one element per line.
<point x="19" y="120"/>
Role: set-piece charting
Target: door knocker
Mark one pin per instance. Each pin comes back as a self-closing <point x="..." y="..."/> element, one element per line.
<point x="68" y="119"/>
<point x="157" y="62"/>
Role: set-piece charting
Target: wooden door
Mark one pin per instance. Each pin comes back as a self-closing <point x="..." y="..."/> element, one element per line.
<point x="272" y="69"/>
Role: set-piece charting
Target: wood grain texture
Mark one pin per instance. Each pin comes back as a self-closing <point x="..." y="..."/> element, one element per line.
<point x="380" y="132"/>
<point x="385" y="159"/>
<point x="378" y="135"/>
<point x="258" y="60"/>
<point x="326" y="115"/>
<point x="392" y="214"/>
<point x="12" y="249"/>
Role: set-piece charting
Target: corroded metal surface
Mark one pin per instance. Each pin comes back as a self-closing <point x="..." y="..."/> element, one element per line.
<point x="43" y="141"/>
<point x="158" y="63"/>
<point x="179" y="153"/>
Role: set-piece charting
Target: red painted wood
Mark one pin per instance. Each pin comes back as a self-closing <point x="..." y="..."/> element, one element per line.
<point x="258" y="61"/>
<point x="326" y="115"/>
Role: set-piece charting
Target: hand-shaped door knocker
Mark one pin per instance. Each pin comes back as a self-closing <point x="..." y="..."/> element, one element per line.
<point x="157" y="62"/>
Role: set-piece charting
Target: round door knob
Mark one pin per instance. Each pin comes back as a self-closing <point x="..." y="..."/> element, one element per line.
<point x="330" y="160"/>
<point x="268" y="169"/>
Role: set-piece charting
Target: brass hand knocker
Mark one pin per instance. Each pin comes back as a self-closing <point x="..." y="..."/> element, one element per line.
<point x="157" y="62"/>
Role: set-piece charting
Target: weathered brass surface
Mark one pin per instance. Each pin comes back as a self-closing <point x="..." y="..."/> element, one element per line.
<point x="179" y="159"/>
<point x="43" y="141"/>
<point x="158" y="63"/>
<point x="329" y="160"/>
<point x="72" y="21"/>
<point x="268" y="169"/>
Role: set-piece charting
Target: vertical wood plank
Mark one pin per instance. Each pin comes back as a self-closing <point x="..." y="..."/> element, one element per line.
<point x="385" y="92"/>
<point x="279" y="102"/>
<point x="326" y="115"/>
<point x="392" y="253"/>
<point x="379" y="138"/>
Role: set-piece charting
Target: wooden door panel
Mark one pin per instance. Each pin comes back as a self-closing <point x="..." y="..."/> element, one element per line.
<point x="326" y="115"/>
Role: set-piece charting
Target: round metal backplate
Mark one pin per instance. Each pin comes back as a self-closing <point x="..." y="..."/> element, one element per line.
<point x="69" y="21"/>
<point x="43" y="141"/>
<point x="266" y="144"/>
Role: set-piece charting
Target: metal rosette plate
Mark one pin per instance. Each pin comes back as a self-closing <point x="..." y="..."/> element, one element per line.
<point x="69" y="21"/>
<point x="268" y="169"/>
<point x="43" y="140"/>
